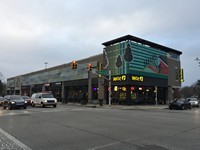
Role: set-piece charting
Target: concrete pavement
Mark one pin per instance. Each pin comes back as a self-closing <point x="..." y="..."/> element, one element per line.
<point x="122" y="107"/>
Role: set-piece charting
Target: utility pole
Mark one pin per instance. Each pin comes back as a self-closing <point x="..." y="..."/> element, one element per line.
<point x="110" y="90"/>
<point x="46" y="63"/>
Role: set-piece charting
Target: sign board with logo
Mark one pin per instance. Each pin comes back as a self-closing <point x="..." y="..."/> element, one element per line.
<point x="119" y="78"/>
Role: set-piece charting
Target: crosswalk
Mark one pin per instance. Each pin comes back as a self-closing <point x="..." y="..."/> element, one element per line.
<point x="31" y="110"/>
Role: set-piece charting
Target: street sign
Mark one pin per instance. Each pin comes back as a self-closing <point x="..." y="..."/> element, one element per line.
<point x="103" y="72"/>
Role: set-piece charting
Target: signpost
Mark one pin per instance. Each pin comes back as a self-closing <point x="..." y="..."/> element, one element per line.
<point x="103" y="72"/>
<point x="107" y="72"/>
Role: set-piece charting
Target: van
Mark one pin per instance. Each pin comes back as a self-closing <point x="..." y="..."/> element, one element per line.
<point x="43" y="99"/>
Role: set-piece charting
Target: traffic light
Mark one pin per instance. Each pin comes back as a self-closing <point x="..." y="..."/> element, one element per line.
<point x="74" y="65"/>
<point x="89" y="67"/>
<point x="99" y="67"/>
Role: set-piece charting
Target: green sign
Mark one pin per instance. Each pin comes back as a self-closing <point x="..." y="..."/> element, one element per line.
<point x="103" y="72"/>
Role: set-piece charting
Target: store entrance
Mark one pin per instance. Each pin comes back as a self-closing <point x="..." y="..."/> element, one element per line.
<point x="138" y="95"/>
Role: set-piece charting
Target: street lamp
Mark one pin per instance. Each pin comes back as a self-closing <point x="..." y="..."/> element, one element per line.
<point x="198" y="60"/>
<point x="46" y="63"/>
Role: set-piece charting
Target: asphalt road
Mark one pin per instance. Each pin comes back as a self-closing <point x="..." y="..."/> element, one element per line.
<point x="86" y="128"/>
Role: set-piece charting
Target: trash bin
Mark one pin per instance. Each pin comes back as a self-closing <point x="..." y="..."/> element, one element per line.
<point x="100" y="102"/>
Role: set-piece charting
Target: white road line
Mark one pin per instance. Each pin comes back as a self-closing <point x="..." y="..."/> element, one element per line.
<point x="16" y="141"/>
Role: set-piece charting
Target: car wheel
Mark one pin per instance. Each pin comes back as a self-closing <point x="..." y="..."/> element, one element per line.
<point x="24" y="107"/>
<point x="33" y="105"/>
<point x="4" y="107"/>
<point x="54" y="106"/>
<point x="43" y="105"/>
<point x="182" y="107"/>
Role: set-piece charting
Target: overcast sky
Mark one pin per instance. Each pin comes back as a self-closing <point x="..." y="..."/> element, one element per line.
<point x="33" y="32"/>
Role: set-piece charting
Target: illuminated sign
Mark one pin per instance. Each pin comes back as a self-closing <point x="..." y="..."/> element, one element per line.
<point x="181" y="75"/>
<point x="119" y="78"/>
<point x="137" y="78"/>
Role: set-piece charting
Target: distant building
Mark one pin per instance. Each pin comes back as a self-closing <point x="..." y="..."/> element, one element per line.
<point x="143" y="72"/>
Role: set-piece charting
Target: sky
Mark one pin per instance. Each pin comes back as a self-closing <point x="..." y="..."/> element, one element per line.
<point x="33" y="32"/>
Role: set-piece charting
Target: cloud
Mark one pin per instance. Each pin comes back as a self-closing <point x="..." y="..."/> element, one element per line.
<point x="57" y="32"/>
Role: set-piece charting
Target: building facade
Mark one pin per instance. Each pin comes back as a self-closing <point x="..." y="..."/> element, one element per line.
<point x="142" y="72"/>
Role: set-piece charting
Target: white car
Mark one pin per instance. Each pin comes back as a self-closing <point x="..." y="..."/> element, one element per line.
<point x="43" y="99"/>
<point x="194" y="102"/>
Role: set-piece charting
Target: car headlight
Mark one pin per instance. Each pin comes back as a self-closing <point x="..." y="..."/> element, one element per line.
<point x="12" y="102"/>
<point x="25" y="102"/>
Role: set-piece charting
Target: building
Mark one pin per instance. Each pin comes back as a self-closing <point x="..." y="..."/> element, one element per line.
<point x="142" y="72"/>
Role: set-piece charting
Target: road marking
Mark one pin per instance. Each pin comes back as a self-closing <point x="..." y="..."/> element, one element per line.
<point x="15" y="141"/>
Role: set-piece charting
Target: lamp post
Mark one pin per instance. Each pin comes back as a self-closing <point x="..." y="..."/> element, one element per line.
<point x="198" y="60"/>
<point x="198" y="81"/>
<point x="46" y="63"/>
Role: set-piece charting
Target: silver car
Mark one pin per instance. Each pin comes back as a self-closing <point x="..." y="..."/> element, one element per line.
<point x="194" y="102"/>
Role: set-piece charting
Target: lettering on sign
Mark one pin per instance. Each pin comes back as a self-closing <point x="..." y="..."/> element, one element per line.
<point x="119" y="78"/>
<point x="137" y="78"/>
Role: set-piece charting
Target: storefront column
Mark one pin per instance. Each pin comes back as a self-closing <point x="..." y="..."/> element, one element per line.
<point x="170" y="95"/>
<point x="62" y="92"/>
<point x="128" y="94"/>
<point x="101" y="89"/>
<point x="89" y="87"/>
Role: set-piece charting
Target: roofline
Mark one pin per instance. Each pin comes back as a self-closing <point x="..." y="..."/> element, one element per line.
<point x="136" y="39"/>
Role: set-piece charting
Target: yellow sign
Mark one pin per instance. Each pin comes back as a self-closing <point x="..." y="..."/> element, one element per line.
<point x="137" y="78"/>
<point x="181" y="75"/>
<point x="119" y="78"/>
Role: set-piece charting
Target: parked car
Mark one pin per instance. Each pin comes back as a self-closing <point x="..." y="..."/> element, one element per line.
<point x="14" y="101"/>
<point x="28" y="99"/>
<point x="193" y="101"/>
<point x="1" y="100"/>
<point x="180" y="104"/>
<point x="43" y="99"/>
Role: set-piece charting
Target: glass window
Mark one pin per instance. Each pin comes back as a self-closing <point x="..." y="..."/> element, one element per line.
<point x="174" y="55"/>
<point x="176" y="74"/>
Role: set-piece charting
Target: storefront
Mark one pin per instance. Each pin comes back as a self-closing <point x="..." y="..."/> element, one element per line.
<point x="142" y="73"/>
<point x="133" y="89"/>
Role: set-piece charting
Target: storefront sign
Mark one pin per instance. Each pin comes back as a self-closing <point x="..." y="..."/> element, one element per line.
<point x="181" y="75"/>
<point x="137" y="78"/>
<point x="119" y="78"/>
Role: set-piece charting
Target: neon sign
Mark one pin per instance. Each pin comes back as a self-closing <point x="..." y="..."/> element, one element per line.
<point x="119" y="78"/>
<point x="137" y="78"/>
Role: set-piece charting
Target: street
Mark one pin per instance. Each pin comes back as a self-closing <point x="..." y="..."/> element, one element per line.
<point x="73" y="127"/>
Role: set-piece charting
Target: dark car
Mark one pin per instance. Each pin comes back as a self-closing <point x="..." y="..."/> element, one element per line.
<point x="180" y="104"/>
<point x="14" y="101"/>
<point x="1" y="100"/>
<point x="27" y="98"/>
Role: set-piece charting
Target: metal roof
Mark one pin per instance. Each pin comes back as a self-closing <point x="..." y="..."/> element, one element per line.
<point x="142" y="41"/>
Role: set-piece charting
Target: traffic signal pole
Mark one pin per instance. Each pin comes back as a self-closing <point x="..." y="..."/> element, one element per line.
<point x="109" y="87"/>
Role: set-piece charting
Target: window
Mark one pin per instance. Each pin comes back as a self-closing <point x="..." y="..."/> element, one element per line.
<point x="176" y="74"/>
<point x="174" y="55"/>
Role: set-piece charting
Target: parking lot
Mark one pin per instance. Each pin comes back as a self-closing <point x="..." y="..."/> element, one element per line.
<point x="73" y="127"/>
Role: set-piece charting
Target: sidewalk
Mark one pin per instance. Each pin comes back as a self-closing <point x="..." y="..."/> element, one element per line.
<point x="122" y="107"/>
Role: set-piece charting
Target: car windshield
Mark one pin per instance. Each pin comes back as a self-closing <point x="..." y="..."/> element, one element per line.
<point x="194" y="100"/>
<point x="16" y="97"/>
<point x="180" y="101"/>
<point x="25" y="97"/>
<point x="47" y="95"/>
